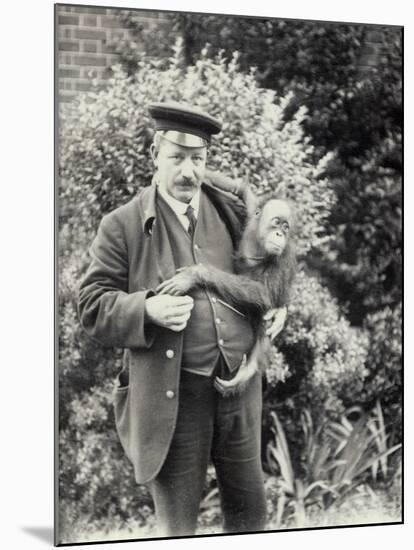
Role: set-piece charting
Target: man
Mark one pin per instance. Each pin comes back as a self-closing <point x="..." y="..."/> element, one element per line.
<point x="170" y="419"/>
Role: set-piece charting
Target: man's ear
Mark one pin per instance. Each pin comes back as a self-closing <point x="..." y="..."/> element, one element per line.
<point x="154" y="154"/>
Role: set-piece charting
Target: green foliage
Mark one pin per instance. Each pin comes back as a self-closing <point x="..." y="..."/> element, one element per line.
<point x="285" y="52"/>
<point x="384" y="363"/>
<point x="104" y="159"/>
<point x="336" y="457"/>
<point x="322" y="359"/>
<point x="96" y="479"/>
<point x="83" y="363"/>
<point x="324" y="364"/>
<point x="294" y="491"/>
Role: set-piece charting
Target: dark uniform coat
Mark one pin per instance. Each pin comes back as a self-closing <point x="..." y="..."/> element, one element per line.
<point x="129" y="260"/>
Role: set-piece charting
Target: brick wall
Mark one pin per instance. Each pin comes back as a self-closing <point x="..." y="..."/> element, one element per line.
<point x="85" y="44"/>
<point x="86" y="37"/>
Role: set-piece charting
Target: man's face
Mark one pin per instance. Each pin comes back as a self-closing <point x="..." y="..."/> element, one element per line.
<point x="180" y="169"/>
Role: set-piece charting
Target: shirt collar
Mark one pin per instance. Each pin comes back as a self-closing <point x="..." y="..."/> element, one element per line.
<point x="148" y="200"/>
<point x="179" y="207"/>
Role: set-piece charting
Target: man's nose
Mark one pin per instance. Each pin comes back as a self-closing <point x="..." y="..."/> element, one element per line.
<point x="187" y="168"/>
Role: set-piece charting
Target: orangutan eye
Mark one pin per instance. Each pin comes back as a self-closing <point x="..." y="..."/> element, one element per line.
<point x="277" y="223"/>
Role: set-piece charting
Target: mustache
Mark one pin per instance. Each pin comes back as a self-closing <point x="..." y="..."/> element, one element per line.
<point x="186" y="182"/>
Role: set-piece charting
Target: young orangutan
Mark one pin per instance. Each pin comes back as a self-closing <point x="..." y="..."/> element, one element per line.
<point x="265" y="266"/>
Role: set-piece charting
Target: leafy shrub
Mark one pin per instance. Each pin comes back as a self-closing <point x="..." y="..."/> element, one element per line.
<point x="322" y="359"/>
<point x="337" y="458"/>
<point x="96" y="479"/>
<point x="104" y="159"/>
<point x="384" y="363"/>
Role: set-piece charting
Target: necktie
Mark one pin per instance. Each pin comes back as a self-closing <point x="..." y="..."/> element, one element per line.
<point x="192" y="219"/>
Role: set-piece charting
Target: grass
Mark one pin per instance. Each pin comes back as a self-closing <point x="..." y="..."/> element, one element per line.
<point x="361" y="507"/>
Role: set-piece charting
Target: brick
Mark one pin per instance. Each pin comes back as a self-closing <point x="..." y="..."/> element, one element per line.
<point x="96" y="11"/>
<point x="90" y="34"/>
<point x="111" y="22"/>
<point x="90" y="73"/>
<point x="93" y="61"/>
<point x="118" y="35"/>
<point x="68" y="20"/>
<point x="68" y="46"/>
<point x="67" y="9"/>
<point x="90" y="46"/>
<point x="66" y="97"/>
<point x="65" y="84"/>
<point x="83" y="86"/>
<point x="149" y="19"/>
<point x="64" y="33"/>
<point x="69" y="73"/>
<point x="125" y="11"/>
<point x="149" y="14"/>
<point x="109" y="48"/>
<point x="100" y="73"/>
<point x="112" y="59"/>
<point x="89" y="20"/>
<point x="64" y="59"/>
<point x="61" y="32"/>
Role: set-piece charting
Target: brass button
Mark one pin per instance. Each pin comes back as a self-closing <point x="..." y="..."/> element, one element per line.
<point x="196" y="247"/>
<point x="218" y="320"/>
<point x="170" y="394"/>
<point x="221" y="342"/>
<point x="214" y="300"/>
<point x="169" y="353"/>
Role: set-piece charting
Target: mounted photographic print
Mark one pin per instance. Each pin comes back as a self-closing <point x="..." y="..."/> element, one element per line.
<point x="229" y="274"/>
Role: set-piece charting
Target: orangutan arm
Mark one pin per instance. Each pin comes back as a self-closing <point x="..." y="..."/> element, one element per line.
<point x="236" y="186"/>
<point x="238" y="290"/>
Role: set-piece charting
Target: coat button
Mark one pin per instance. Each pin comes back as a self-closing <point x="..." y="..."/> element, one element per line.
<point x="170" y="394"/>
<point x="221" y="342"/>
<point x="214" y="300"/>
<point x="169" y="353"/>
<point x="218" y="320"/>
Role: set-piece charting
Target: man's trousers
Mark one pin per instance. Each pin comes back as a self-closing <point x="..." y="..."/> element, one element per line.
<point x="226" y="430"/>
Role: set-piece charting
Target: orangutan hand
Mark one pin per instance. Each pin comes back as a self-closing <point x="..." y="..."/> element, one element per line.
<point x="278" y="317"/>
<point x="239" y="383"/>
<point x="184" y="280"/>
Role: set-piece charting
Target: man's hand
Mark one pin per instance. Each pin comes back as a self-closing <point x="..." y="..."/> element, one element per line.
<point x="170" y="312"/>
<point x="278" y="317"/>
<point x="184" y="280"/>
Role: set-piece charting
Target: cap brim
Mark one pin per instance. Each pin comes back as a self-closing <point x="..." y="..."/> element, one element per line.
<point x="183" y="139"/>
